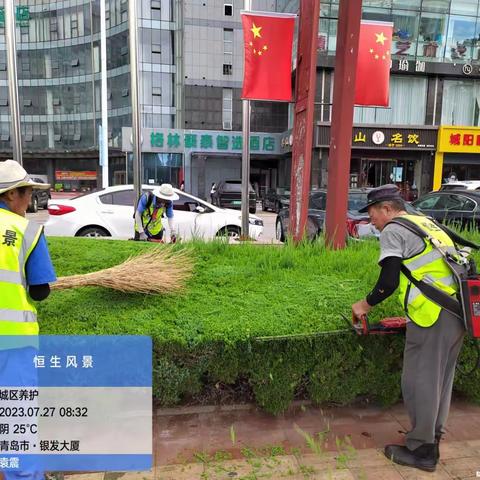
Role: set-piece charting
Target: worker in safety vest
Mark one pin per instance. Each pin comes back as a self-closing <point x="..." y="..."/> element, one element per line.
<point x="434" y="335"/>
<point x="25" y="273"/>
<point x="152" y="207"/>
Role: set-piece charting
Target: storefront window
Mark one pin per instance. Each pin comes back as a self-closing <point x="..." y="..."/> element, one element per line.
<point x="461" y="102"/>
<point x="159" y="168"/>
<point x="460" y="38"/>
<point x="377" y="3"/>
<point x="431" y="36"/>
<point x="405" y="32"/>
<point x="407" y="104"/>
<point x="464" y="7"/>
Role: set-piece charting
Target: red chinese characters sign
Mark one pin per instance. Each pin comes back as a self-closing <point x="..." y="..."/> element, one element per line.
<point x="459" y="139"/>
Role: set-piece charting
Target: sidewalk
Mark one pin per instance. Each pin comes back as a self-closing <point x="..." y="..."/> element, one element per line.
<point x="344" y="443"/>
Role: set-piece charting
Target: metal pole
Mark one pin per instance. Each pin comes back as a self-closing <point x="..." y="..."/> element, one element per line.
<point x="136" y="129"/>
<point x="103" y="144"/>
<point x="12" y="80"/>
<point x="348" y="32"/>
<point x="245" y="154"/>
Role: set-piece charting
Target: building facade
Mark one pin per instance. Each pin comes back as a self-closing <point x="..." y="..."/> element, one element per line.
<point x="190" y="74"/>
<point x="435" y="82"/>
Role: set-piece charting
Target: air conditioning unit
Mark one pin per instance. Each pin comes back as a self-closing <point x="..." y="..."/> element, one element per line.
<point x="227" y="125"/>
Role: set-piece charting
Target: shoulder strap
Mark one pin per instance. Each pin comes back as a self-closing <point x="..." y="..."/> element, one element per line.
<point x="435" y="295"/>
<point x="409" y="225"/>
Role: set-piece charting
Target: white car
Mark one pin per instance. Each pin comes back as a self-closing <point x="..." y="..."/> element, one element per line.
<point x="109" y="213"/>
<point x="461" y="185"/>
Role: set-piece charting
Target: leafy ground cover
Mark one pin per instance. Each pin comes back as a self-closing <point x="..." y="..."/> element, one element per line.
<point x="205" y="337"/>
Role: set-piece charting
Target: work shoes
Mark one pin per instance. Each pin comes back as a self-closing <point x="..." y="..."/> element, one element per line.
<point x="425" y="457"/>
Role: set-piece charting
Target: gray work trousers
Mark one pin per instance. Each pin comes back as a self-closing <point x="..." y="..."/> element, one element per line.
<point x="429" y="363"/>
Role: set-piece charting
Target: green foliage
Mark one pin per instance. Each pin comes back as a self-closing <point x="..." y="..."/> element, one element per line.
<point x="207" y="334"/>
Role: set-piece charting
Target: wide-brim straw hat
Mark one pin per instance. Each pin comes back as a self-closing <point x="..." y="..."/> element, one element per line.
<point x="13" y="175"/>
<point x="165" y="192"/>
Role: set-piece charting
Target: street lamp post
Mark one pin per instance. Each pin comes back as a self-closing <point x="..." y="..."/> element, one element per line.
<point x="12" y="80"/>
<point x="136" y="129"/>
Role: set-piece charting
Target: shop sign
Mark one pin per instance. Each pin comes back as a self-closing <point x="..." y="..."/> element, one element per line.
<point x="179" y="141"/>
<point x="22" y="16"/>
<point x="387" y="138"/>
<point x="459" y="139"/>
<point x="75" y="175"/>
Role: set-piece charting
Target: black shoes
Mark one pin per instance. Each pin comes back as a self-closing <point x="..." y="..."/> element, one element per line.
<point x="425" y="457"/>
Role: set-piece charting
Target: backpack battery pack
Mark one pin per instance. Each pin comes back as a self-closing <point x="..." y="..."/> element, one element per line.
<point x="470" y="294"/>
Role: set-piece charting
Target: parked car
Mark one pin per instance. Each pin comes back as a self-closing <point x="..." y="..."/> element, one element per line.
<point x="109" y="212"/>
<point x="275" y="201"/>
<point x="40" y="198"/>
<point x="460" y="207"/>
<point x="461" y="185"/>
<point x="228" y="194"/>
<point x="357" y="198"/>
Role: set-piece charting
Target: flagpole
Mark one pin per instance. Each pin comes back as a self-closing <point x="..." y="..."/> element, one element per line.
<point x="245" y="155"/>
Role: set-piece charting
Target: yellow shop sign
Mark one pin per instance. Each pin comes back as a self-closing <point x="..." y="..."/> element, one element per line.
<point x="458" y="139"/>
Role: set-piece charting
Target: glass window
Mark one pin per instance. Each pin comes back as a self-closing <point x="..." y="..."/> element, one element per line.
<point x="464" y="7"/>
<point x="431" y="36"/>
<point x="106" y="199"/>
<point x="460" y="38"/>
<point x="318" y="201"/>
<point x="408" y="4"/>
<point x="228" y="9"/>
<point x="227" y="110"/>
<point x="461" y="102"/>
<point x="378" y="3"/>
<point x="124" y="197"/>
<point x="407" y="104"/>
<point x="436" y="5"/>
<point x="428" y="202"/>
<point x="405" y="32"/>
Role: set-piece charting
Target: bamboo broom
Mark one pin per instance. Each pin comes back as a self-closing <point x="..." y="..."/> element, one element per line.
<point x="160" y="270"/>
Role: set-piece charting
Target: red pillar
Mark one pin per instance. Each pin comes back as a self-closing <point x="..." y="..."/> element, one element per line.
<point x="304" y="115"/>
<point x="348" y="31"/>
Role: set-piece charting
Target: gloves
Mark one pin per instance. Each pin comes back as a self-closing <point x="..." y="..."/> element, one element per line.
<point x="173" y="238"/>
<point x="142" y="237"/>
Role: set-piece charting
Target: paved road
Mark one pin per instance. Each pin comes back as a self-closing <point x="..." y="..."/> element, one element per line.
<point x="268" y="221"/>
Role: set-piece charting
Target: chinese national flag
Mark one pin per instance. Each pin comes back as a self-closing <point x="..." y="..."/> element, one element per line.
<point x="268" y="56"/>
<point x="373" y="67"/>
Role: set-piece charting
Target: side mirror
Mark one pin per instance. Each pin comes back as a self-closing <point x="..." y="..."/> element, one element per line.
<point x="199" y="209"/>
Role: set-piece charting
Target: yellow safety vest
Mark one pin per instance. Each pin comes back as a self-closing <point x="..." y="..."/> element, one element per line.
<point x="152" y="225"/>
<point x="428" y="266"/>
<point x="18" y="238"/>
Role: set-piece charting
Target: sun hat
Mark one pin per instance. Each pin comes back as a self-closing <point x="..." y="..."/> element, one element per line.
<point x="166" y="192"/>
<point x="13" y="175"/>
<point x="382" y="194"/>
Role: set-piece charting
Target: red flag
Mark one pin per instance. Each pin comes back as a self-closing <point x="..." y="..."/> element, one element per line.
<point x="374" y="60"/>
<point x="268" y="56"/>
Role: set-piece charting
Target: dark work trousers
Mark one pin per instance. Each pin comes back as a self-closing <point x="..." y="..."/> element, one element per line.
<point x="429" y="363"/>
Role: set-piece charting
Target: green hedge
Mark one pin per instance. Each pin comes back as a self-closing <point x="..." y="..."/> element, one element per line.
<point x="207" y="335"/>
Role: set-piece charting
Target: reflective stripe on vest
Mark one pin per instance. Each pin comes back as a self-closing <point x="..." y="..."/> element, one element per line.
<point x="428" y="266"/>
<point x="18" y="238"/>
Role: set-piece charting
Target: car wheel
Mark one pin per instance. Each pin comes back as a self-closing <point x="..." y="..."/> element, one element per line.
<point x="33" y="208"/>
<point x="92" y="232"/>
<point x="279" y="233"/>
<point x="230" y="231"/>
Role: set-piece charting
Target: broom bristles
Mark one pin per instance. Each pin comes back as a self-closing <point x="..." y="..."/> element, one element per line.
<point x="160" y="270"/>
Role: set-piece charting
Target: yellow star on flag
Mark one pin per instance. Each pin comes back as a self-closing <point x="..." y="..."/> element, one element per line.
<point x="256" y="31"/>
<point x="380" y="38"/>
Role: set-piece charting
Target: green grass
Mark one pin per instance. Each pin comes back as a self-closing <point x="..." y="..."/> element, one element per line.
<point x="206" y="334"/>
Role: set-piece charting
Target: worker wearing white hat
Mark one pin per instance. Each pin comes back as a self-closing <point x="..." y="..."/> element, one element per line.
<point x="152" y="207"/>
<point x="25" y="273"/>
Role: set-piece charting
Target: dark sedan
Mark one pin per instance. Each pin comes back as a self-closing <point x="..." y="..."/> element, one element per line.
<point x="459" y="207"/>
<point x="275" y="201"/>
<point x="357" y="198"/>
<point x="40" y="198"/>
